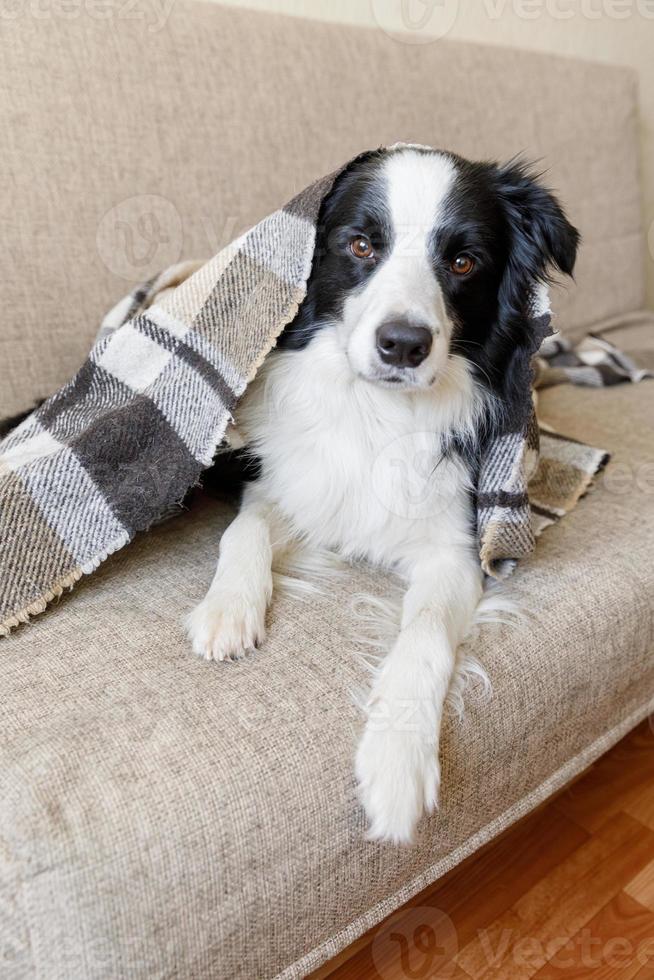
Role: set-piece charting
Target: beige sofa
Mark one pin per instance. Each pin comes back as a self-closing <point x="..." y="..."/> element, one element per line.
<point x="162" y="817"/>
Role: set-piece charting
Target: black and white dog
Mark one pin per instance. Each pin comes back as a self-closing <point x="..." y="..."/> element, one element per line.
<point x="400" y="351"/>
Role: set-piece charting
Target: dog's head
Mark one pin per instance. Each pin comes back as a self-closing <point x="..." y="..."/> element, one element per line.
<point x="421" y="255"/>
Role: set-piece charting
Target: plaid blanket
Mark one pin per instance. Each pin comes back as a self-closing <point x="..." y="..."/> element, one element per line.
<point x="120" y="445"/>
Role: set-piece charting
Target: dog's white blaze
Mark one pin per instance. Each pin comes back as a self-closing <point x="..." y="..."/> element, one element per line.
<point x="404" y="286"/>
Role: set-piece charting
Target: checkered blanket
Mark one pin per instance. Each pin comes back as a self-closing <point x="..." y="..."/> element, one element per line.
<point x="120" y="445"/>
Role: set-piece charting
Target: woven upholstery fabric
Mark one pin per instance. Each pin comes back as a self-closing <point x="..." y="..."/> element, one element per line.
<point x="162" y="816"/>
<point x="132" y="142"/>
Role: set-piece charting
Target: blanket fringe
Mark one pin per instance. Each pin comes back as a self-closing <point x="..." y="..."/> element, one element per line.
<point x="41" y="604"/>
<point x="67" y="582"/>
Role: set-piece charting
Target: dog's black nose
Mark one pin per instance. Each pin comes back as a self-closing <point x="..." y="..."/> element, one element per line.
<point x="403" y="345"/>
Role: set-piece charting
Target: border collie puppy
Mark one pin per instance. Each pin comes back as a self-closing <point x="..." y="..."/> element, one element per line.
<point x="367" y="421"/>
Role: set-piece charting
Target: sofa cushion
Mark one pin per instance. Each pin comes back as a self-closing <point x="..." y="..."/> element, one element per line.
<point x="133" y="141"/>
<point x="163" y="816"/>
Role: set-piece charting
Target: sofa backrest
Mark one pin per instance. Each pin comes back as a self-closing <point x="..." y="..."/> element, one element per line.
<point x="132" y="139"/>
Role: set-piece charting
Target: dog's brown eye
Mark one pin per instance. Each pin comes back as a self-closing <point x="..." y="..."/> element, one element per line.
<point x="361" y="247"/>
<point x="462" y="265"/>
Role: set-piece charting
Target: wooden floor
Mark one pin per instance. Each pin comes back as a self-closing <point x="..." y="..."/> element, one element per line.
<point x="566" y="893"/>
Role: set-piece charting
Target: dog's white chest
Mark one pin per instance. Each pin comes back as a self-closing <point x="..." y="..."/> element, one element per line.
<point x="354" y="467"/>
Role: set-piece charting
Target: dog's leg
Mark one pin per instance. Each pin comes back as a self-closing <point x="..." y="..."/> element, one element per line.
<point x="397" y="760"/>
<point x="230" y="620"/>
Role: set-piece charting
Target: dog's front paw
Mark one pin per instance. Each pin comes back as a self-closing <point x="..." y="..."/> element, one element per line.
<point x="226" y="626"/>
<point x="399" y="776"/>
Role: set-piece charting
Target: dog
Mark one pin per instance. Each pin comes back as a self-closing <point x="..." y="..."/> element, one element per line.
<point x="401" y="351"/>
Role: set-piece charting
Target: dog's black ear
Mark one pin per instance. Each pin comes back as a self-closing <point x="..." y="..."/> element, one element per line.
<point x="542" y="238"/>
<point x="540" y="241"/>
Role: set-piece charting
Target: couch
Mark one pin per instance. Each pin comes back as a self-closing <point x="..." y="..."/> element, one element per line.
<point x="165" y="817"/>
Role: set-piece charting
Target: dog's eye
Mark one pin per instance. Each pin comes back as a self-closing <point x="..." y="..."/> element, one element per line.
<point x="462" y="264"/>
<point x="361" y="247"/>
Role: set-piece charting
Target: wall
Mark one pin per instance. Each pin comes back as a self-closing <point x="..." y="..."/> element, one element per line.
<point x="619" y="32"/>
